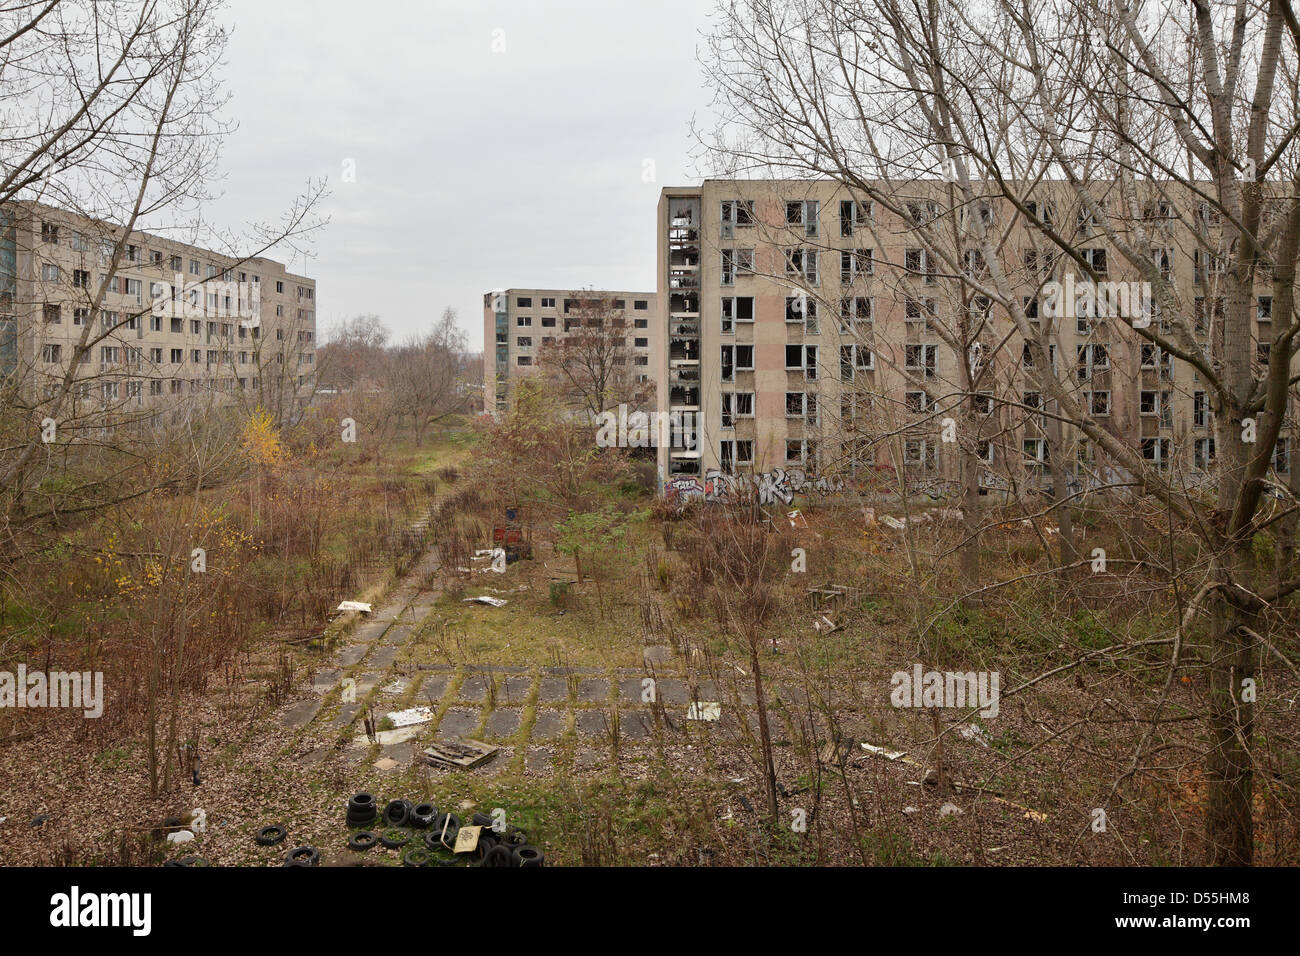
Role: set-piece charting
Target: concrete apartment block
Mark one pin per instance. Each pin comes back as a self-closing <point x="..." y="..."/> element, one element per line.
<point x="801" y="324"/>
<point x="519" y="323"/>
<point x="176" y="319"/>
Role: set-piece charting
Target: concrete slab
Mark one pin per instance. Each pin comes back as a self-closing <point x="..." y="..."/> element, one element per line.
<point x="515" y="689"/>
<point x="549" y="724"/>
<point x="301" y="713"/>
<point x="502" y="723"/>
<point x="347" y="713"/>
<point x="539" y="760"/>
<point x="593" y="690"/>
<point x="672" y="691"/>
<point x="435" y="686"/>
<point x="352" y="654"/>
<point x="382" y="656"/>
<point x="592" y="723"/>
<point x="635" y="724"/>
<point x="459" y="722"/>
<point x="398" y="634"/>
<point x="326" y="679"/>
<point x="553" y="689"/>
<point x="474" y="687"/>
<point x="631" y="689"/>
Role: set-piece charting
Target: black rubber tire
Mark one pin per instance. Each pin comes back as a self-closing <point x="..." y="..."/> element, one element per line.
<point x="362" y="802"/>
<point x="362" y="840"/>
<point x="486" y="841"/>
<point x="480" y="820"/>
<point x="441" y="820"/>
<point x="303" y="856"/>
<point x="528" y="856"/>
<point x="397" y="813"/>
<point x="513" y="837"/>
<point x="361" y="820"/>
<point x="198" y="861"/>
<point x="498" y="856"/>
<point x="416" y="856"/>
<point x="271" y="836"/>
<point x="423" y="815"/>
<point x="395" y="837"/>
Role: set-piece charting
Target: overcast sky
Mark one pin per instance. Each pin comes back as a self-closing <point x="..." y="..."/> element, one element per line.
<point x="475" y="169"/>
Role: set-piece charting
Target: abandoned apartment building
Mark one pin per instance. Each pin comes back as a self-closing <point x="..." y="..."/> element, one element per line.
<point x="524" y="324"/>
<point x="174" y="320"/>
<point x="800" y="326"/>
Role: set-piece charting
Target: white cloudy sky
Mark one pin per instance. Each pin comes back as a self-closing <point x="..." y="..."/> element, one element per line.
<point x="474" y="169"/>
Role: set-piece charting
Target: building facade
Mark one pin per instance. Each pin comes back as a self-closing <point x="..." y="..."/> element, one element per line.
<point x="172" y="319"/>
<point x="520" y="324"/>
<point x="801" y="328"/>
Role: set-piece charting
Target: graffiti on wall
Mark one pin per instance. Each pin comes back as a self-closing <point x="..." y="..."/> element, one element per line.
<point x="769" y="487"/>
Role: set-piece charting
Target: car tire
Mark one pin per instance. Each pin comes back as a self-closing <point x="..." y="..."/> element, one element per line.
<point x="271" y="836"/>
<point x="362" y="840"/>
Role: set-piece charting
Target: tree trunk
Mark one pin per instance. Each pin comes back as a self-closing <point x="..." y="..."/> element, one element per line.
<point x="764" y="734"/>
<point x="1229" y="826"/>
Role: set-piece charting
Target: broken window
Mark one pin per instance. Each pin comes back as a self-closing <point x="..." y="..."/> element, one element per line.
<point x="921" y="359"/>
<point x="854" y="215"/>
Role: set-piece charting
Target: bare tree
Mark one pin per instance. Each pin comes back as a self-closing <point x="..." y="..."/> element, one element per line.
<point x="591" y="364"/>
<point x="428" y="375"/>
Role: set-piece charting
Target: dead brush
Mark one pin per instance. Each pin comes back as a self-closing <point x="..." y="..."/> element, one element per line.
<point x="611" y="725"/>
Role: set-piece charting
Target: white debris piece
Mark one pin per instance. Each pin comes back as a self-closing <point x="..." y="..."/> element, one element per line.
<point x="354" y="606"/>
<point x="485" y="599"/>
<point x="975" y="732"/>
<point x="889" y="521"/>
<point x="704" y="710"/>
<point x="884" y="752"/>
<point x="410" y="717"/>
<point x="949" y="810"/>
<point x="180" y="836"/>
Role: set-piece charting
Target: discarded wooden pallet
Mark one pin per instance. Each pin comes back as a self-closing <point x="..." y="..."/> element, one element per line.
<point x="461" y="754"/>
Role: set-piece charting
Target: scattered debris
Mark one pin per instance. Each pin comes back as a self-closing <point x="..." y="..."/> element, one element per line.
<point x="397" y="687"/>
<point x="886" y="753"/>
<point x="830" y="595"/>
<point x="467" y="839"/>
<point x="486" y="599"/>
<point x="975" y="732"/>
<point x="459" y="755"/>
<point x="950" y="810"/>
<point x="1036" y="815"/>
<point x="911" y="810"/>
<point x="411" y="716"/>
<point x="797" y="520"/>
<point x="354" y="606"/>
<point x="385" y="763"/>
<point x="180" y="836"/>
<point x="704" y="710"/>
<point x="824" y="625"/>
<point x="889" y="521"/>
<point x="836" y="752"/>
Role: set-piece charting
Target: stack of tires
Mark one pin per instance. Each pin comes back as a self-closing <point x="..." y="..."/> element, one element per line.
<point x="361" y="810"/>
